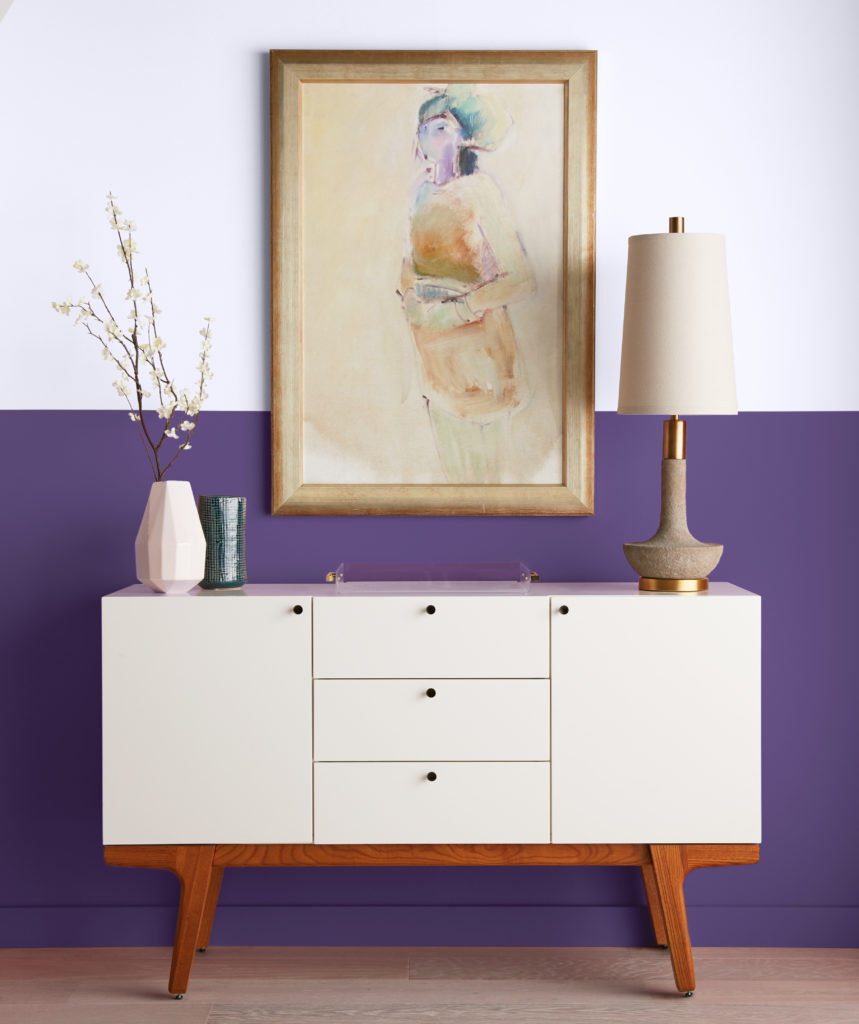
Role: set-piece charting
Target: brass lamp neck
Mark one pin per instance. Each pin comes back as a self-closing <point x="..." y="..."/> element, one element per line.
<point x="674" y="438"/>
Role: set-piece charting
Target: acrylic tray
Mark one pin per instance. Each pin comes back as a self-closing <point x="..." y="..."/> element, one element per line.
<point x="431" y="577"/>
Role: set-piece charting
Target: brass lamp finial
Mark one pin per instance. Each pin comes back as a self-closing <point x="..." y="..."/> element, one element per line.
<point x="676" y="225"/>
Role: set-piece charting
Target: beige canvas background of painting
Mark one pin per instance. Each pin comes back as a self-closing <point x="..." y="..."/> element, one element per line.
<point x="363" y="418"/>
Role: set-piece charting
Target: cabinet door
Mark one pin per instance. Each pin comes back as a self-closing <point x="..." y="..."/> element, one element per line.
<point x="207" y="719"/>
<point x="656" y="719"/>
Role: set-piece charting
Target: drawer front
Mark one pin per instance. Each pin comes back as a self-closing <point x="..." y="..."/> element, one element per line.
<point x="399" y="637"/>
<point x="396" y="803"/>
<point x="447" y="719"/>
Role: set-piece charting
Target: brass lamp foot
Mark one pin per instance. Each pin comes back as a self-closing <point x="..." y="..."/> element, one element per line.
<point x="672" y="586"/>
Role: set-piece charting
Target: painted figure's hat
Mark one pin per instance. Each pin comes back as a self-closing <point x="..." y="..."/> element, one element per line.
<point x="484" y="121"/>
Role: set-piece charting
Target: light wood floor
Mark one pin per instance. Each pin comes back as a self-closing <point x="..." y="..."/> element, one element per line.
<point x="484" y="985"/>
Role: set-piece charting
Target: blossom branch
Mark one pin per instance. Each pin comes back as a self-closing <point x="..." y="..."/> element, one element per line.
<point x="142" y="347"/>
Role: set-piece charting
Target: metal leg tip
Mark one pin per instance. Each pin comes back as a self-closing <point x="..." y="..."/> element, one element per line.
<point x="688" y="994"/>
<point x="178" y="996"/>
<point x="202" y="949"/>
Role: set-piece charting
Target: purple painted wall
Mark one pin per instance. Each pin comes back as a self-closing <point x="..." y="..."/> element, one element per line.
<point x="779" y="489"/>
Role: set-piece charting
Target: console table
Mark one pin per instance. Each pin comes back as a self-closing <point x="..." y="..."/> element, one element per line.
<point x="291" y="725"/>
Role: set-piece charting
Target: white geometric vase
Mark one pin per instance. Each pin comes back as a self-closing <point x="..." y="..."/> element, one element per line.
<point x="170" y="549"/>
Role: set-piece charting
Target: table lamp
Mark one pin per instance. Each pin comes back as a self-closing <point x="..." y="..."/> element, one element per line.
<point x="677" y="359"/>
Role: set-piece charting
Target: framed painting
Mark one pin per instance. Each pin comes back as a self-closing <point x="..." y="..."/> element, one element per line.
<point x="432" y="260"/>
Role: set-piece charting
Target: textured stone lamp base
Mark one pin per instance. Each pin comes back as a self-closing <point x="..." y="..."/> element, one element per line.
<point x="672" y="553"/>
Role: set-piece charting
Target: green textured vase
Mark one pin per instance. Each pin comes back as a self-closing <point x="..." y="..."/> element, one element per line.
<point x="223" y="520"/>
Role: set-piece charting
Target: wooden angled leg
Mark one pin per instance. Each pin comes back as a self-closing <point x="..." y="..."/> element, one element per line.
<point x="193" y="867"/>
<point x="669" y="871"/>
<point x="654" y="904"/>
<point x="205" y="935"/>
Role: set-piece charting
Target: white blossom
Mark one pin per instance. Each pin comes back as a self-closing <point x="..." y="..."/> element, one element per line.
<point x="187" y="425"/>
<point x="121" y="387"/>
<point x="63" y="307"/>
<point x="134" y="417"/>
<point x="80" y="266"/>
<point x="171" y="433"/>
<point x="126" y="247"/>
<point x="165" y="412"/>
<point x="133" y="293"/>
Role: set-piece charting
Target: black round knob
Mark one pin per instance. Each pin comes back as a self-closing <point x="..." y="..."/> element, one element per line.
<point x="431" y="776"/>
<point x="430" y="692"/>
<point x="564" y="610"/>
<point x="298" y="609"/>
<point x="430" y="609"/>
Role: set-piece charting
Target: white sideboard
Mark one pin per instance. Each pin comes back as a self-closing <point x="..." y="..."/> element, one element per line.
<point x="292" y="724"/>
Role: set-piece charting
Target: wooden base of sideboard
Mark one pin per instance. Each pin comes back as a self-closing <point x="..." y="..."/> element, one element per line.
<point x="201" y="868"/>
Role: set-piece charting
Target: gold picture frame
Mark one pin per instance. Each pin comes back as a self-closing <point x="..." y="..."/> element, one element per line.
<point x="324" y="105"/>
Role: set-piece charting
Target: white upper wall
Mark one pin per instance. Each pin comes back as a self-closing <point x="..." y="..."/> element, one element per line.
<point x="738" y="114"/>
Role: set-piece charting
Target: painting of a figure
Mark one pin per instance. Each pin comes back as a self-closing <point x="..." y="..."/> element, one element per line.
<point x="464" y="266"/>
<point x="422" y="333"/>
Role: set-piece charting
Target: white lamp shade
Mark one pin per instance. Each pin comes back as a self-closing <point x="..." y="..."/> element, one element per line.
<point x="677" y="356"/>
